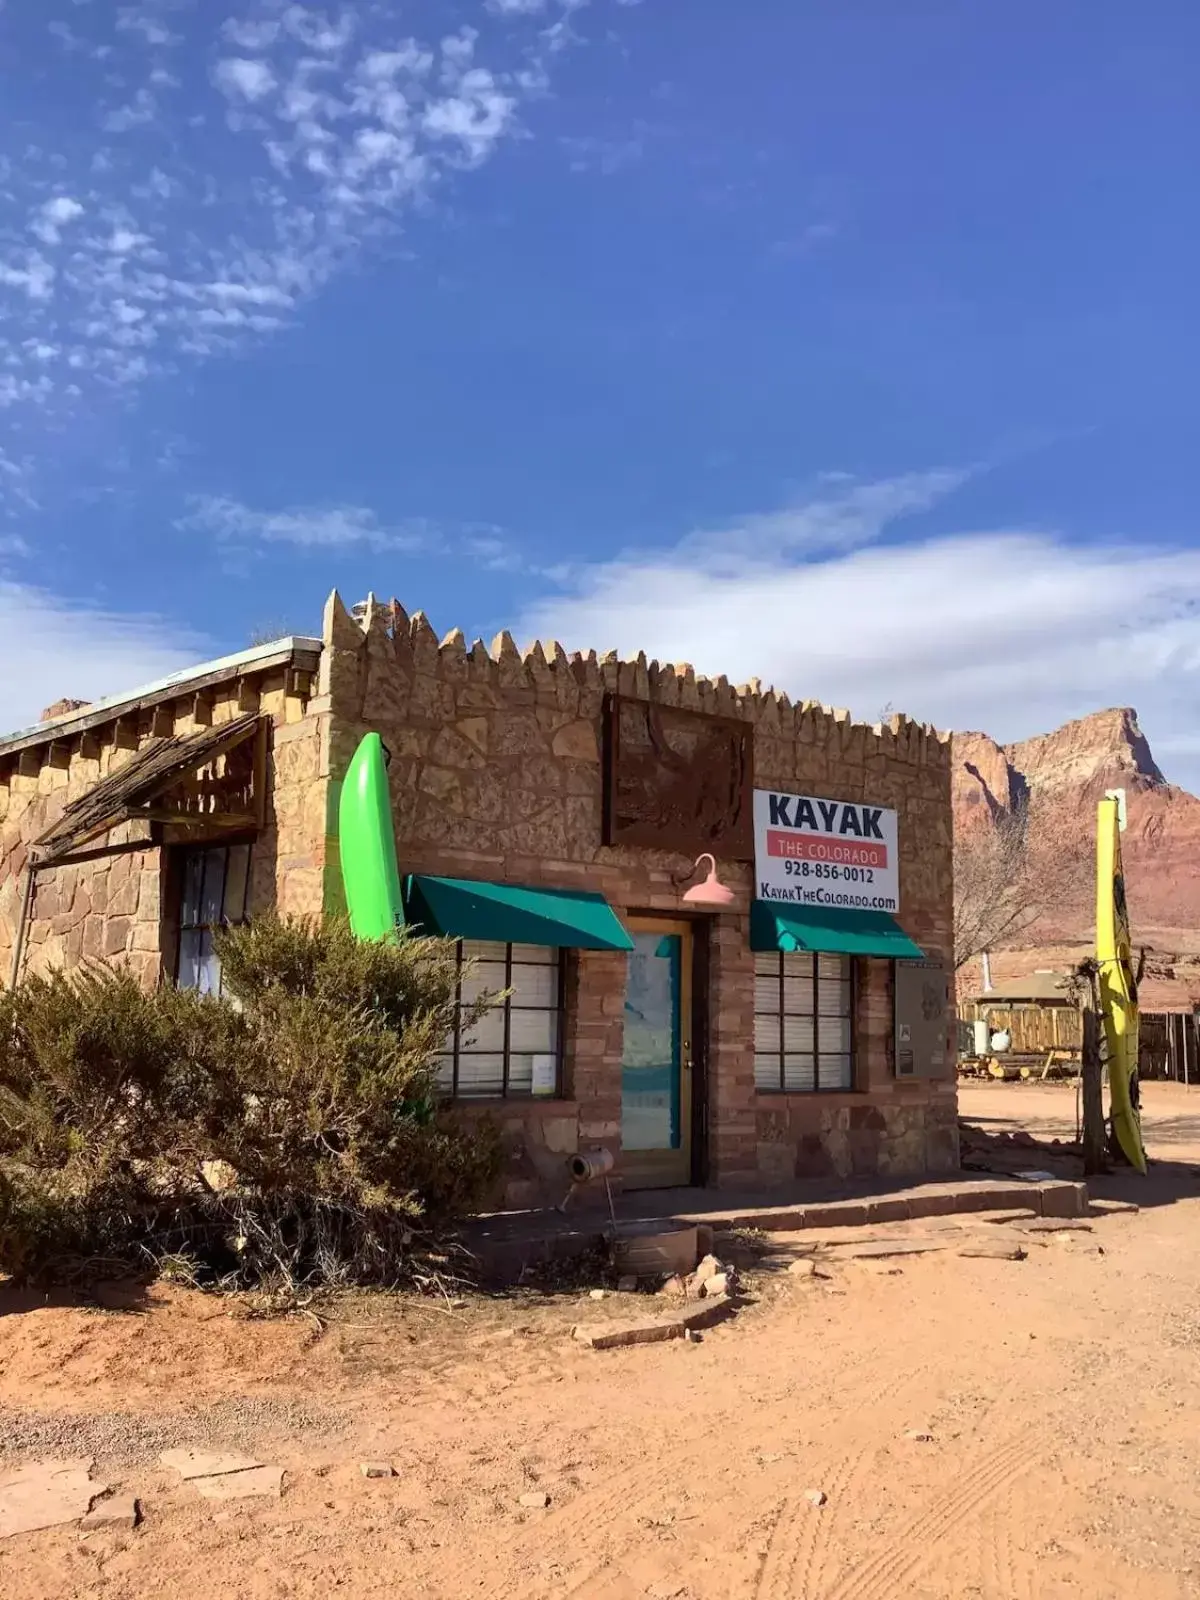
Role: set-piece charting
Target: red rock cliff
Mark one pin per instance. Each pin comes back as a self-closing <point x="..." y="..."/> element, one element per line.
<point x="1067" y="771"/>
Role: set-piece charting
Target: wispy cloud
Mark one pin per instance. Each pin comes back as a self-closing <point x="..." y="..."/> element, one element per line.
<point x="1009" y="630"/>
<point x="52" y="217"/>
<point x="841" y="514"/>
<point x="235" y="165"/>
<point x="307" y="527"/>
<point x="245" y="78"/>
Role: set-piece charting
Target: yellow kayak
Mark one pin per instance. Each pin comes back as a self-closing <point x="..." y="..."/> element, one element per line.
<point x="1118" y="986"/>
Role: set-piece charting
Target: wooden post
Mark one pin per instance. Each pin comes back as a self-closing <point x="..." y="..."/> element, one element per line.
<point x="1185" y="1030"/>
<point x="1095" y="1143"/>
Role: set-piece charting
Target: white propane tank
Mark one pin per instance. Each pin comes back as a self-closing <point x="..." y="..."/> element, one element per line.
<point x="983" y="1036"/>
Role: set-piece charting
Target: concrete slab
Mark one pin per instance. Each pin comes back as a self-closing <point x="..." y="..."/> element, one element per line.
<point x="247" y="1485"/>
<point x="46" y="1494"/>
<point x="191" y="1464"/>
<point x="884" y="1250"/>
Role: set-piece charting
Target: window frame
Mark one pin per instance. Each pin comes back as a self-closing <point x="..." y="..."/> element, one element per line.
<point x="181" y="855"/>
<point x="558" y="1010"/>
<point x="852" y="970"/>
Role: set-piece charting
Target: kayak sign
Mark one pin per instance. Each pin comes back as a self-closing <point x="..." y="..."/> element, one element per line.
<point x="815" y="852"/>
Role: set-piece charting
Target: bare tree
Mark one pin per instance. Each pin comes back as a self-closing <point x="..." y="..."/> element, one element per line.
<point x="271" y="629"/>
<point x="1017" y="868"/>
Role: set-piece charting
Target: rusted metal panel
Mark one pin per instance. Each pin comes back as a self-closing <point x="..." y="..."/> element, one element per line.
<point x="678" y="781"/>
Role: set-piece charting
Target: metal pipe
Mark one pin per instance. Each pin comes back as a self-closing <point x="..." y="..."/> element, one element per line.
<point x="23" y="923"/>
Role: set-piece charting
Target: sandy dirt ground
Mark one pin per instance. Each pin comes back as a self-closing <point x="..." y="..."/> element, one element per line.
<point x="1006" y="1430"/>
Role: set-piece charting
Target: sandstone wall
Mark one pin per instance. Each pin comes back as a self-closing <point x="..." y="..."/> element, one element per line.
<point x="111" y="907"/>
<point x="496" y="773"/>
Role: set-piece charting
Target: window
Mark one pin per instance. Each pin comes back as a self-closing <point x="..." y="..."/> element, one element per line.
<point x="803" y="1023"/>
<point x="214" y="882"/>
<point x="515" y="1049"/>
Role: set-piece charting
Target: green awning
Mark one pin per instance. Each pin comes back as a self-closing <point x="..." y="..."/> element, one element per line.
<point x="507" y="913"/>
<point x="776" y="926"/>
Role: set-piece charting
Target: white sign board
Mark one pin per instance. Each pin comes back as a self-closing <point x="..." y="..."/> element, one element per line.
<point x="816" y="852"/>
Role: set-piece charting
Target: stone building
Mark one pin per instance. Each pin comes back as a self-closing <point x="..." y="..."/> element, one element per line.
<point x="549" y="812"/>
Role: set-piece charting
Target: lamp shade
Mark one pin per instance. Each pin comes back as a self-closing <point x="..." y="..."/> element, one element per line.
<point x="710" y="894"/>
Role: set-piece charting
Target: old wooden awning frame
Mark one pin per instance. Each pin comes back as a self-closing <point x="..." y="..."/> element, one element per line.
<point x="136" y="793"/>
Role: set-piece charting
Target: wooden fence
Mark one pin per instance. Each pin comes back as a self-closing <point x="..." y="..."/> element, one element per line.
<point x="1168" y="1041"/>
<point x="1032" y="1029"/>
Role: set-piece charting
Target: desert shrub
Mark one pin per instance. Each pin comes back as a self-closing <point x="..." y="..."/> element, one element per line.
<point x="99" y="1075"/>
<point x="287" y="1134"/>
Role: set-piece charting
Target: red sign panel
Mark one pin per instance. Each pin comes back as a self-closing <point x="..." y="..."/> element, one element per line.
<point x="820" y="847"/>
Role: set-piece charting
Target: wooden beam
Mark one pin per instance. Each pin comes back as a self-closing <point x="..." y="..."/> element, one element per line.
<point x="248" y="696"/>
<point x="59" y="755"/>
<point x="192" y="819"/>
<point x="50" y="855"/>
<point x="162" y="722"/>
<point x="29" y="763"/>
<point x="125" y="733"/>
<point x="202" y="710"/>
<point x="78" y="857"/>
<point x="259" y="780"/>
<point x="89" y="746"/>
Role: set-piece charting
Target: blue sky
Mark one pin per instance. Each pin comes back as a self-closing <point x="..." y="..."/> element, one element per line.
<point x="852" y="347"/>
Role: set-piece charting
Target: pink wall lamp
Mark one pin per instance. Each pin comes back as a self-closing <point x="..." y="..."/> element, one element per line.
<point x="711" y="894"/>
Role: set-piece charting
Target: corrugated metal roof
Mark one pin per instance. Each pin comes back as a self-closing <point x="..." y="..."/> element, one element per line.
<point x="1038" y="986"/>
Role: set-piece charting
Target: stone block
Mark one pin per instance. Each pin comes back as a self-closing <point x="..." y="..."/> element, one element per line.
<point x="936" y="1203"/>
<point x="866" y="1117"/>
<point x="577" y="741"/>
<point x="517" y="733"/>
<point x="776" y="1161"/>
<point x="560" y="1134"/>
<point x="638" y="1333"/>
<point x="838" y="1214"/>
<point x="1004" y="1197"/>
<point x="1064" y="1199"/>
<point x="112" y="1512"/>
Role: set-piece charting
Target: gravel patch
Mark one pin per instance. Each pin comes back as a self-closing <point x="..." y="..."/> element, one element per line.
<point x="133" y="1437"/>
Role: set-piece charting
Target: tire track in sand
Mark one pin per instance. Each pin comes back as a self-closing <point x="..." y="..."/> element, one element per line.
<point x="1006" y="1570"/>
<point x="802" y="1537"/>
<point x="580" y="1525"/>
<point x="887" y="1575"/>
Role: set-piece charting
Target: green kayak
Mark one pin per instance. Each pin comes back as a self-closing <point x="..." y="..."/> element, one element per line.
<point x="367" y="842"/>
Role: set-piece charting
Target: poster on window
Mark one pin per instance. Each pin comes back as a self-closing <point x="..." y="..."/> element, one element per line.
<point x="815" y="852"/>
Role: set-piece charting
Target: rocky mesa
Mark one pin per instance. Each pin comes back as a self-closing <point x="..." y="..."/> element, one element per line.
<point x="1062" y="774"/>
